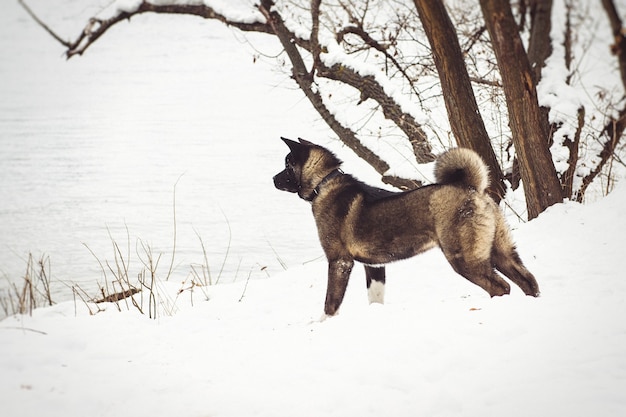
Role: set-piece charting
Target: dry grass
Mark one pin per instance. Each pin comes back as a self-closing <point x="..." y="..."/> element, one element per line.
<point x="131" y="279"/>
<point x="33" y="292"/>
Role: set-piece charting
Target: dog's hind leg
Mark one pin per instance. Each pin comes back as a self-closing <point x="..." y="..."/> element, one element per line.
<point x="482" y="274"/>
<point x="505" y="259"/>
<point x="511" y="265"/>
<point x="375" y="278"/>
<point x="338" y="275"/>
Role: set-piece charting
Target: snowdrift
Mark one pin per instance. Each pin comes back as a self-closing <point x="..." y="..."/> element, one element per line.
<point x="438" y="347"/>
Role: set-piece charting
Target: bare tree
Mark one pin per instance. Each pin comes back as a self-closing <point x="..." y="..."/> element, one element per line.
<point x="465" y="120"/>
<point x="613" y="131"/>
<point x="398" y="61"/>
<point x="539" y="44"/>
<point x="539" y="178"/>
<point x="366" y="84"/>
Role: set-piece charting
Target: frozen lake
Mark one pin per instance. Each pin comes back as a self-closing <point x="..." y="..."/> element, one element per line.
<point x="94" y="146"/>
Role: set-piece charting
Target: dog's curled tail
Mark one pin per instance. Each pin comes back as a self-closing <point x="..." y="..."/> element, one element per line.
<point x="462" y="166"/>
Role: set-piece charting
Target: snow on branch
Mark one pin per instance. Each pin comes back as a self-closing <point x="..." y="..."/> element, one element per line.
<point x="299" y="45"/>
<point x="378" y="51"/>
<point x="120" y="10"/>
<point x="304" y="77"/>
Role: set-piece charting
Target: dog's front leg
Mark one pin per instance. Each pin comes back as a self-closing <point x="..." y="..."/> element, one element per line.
<point x="338" y="275"/>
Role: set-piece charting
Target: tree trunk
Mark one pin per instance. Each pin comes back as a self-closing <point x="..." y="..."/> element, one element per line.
<point x="541" y="184"/>
<point x="619" y="37"/>
<point x="540" y="47"/>
<point x="465" y="120"/>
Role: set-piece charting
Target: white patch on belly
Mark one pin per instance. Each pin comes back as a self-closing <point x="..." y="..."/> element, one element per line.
<point x="376" y="292"/>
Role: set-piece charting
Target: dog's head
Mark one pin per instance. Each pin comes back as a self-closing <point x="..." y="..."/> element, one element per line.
<point x="305" y="167"/>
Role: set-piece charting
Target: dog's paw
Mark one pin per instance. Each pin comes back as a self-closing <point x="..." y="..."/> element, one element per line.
<point x="321" y="319"/>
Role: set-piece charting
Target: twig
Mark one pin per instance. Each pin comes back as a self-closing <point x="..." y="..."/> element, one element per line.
<point x="75" y="292"/>
<point x="112" y="298"/>
<point x="206" y="261"/>
<point x="245" y="286"/>
<point x="96" y="27"/>
<point x="45" y="279"/>
<point x="23" y="328"/>
<point x="230" y="238"/>
<point x="278" y="258"/>
<point x="43" y="25"/>
<point x="169" y="272"/>
<point x="237" y="270"/>
<point x="104" y="272"/>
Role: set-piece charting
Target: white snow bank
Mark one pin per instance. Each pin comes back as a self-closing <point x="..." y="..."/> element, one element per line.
<point x="439" y="347"/>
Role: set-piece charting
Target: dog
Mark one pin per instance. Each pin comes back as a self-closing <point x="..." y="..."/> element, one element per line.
<point x="358" y="222"/>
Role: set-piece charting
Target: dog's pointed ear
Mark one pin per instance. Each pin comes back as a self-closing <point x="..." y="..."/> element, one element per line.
<point x="298" y="150"/>
<point x="293" y="145"/>
<point x="306" y="142"/>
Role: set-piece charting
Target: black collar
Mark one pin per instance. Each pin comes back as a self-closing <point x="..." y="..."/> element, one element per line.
<point x="334" y="173"/>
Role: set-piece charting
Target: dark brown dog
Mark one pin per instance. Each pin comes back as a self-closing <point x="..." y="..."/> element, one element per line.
<point x="375" y="226"/>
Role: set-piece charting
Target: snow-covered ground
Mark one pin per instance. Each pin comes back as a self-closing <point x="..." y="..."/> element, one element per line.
<point x="99" y="142"/>
<point x="438" y="347"/>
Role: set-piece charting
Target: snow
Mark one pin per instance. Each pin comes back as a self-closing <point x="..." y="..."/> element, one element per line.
<point x="93" y="147"/>
<point x="438" y="347"/>
<point x="336" y="55"/>
<point x="126" y="6"/>
<point x="245" y="11"/>
<point x="590" y="84"/>
<point x="241" y="10"/>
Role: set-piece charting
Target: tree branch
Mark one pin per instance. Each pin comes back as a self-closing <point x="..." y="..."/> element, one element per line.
<point x="96" y="27"/>
<point x="304" y="78"/>
<point x="370" y="88"/>
<point x="567" y="178"/>
<point x="273" y="24"/>
<point x="619" y="36"/>
<point x="614" y="129"/>
<point x="374" y="44"/>
<point x="315" y="29"/>
<point x="539" y="46"/>
<point x="541" y="184"/>
<point x="43" y="25"/>
<point x="466" y="122"/>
